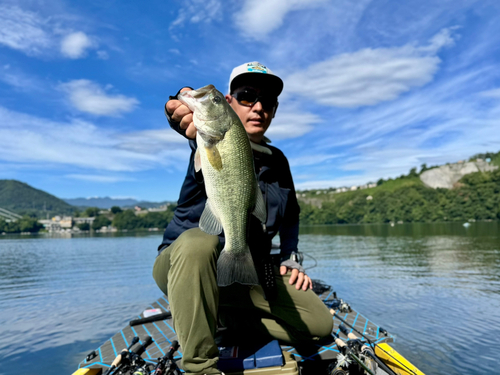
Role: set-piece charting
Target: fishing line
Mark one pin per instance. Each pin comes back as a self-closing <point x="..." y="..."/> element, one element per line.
<point x="315" y="261"/>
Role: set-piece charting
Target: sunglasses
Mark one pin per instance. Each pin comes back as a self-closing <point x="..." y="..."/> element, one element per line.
<point x="249" y="97"/>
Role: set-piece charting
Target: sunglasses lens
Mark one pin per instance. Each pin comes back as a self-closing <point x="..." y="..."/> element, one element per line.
<point x="247" y="98"/>
<point x="268" y="103"/>
<point x="250" y="97"/>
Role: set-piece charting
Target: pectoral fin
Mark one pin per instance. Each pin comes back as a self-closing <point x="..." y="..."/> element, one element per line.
<point x="197" y="160"/>
<point x="260" y="210"/>
<point x="209" y="222"/>
<point x="213" y="157"/>
<point x="260" y="148"/>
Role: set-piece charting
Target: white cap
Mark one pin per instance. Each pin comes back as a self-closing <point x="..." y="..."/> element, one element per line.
<point x="257" y="74"/>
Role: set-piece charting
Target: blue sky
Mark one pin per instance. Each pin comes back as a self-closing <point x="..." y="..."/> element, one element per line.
<point x="372" y="88"/>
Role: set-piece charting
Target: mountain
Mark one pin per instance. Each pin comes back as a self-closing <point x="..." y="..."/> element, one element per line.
<point x="108" y="202"/>
<point x="21" y="198"/>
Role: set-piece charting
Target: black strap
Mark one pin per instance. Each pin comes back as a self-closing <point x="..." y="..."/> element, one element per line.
<point x="260" y="247"/>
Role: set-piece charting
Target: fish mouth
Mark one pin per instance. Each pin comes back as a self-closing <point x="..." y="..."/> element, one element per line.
<point x="201" y="93"/>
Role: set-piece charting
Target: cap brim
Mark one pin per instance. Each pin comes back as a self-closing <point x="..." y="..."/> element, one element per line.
<point x="268" y="82"/>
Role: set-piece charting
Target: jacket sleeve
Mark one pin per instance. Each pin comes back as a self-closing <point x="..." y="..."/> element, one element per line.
<point x="289" y="229"/>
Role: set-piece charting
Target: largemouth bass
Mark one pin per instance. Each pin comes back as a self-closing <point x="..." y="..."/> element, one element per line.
<point x="225" y="158"/>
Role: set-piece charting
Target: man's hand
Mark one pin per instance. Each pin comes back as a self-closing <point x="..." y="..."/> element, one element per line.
<point x="182" y="114"/>
<point x="300" y="279"/>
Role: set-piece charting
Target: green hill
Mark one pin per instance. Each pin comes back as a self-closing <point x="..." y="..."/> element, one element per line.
<point x="406" y="199"/>
<point x="23" y="199"/>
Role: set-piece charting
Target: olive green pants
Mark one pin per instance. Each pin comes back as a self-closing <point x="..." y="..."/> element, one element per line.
<point x="186" y="272"/>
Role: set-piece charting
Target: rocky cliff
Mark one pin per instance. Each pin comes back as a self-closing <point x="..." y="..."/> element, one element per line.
<point x="446" y="176"/>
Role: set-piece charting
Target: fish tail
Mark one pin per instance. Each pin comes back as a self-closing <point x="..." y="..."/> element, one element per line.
<point x="236" y="268"/>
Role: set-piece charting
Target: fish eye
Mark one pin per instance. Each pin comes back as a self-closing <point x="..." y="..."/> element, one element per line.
<point x="216" y="99"/>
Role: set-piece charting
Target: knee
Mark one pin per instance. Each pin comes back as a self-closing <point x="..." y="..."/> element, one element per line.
<point x="197" y="247"/>
<point x="322" y="326"/>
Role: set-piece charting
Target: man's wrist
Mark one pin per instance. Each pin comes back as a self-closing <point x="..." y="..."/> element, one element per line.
<point x="295" y="256"/>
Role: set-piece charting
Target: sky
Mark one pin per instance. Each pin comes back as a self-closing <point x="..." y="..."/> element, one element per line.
<point x="372" y="88"/>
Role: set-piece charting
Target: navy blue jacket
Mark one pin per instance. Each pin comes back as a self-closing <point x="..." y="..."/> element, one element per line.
<point x="276" y="184"/>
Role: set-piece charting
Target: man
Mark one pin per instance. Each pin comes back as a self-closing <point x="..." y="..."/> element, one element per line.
<point x="186" y="268"/>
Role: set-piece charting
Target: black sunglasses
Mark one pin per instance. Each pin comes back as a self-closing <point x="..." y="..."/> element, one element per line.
<point x="249" y="97"/>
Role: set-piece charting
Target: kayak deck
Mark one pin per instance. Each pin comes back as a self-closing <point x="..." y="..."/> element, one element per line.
<point x="309" y="356"/>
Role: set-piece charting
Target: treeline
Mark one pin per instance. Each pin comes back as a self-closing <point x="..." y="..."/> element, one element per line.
<point x="116" y="217"/>
<point x="26" y="224"/>
<point x="127" y="219"/>
<point x="475" y="198"/>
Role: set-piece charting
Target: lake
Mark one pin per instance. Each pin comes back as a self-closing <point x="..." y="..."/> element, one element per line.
<point x="436" y="287"/>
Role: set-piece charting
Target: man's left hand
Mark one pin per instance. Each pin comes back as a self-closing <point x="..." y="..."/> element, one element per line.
<point x="300" y="279"/>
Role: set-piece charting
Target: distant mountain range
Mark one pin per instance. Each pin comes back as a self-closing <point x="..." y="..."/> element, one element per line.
<point x="108" y="202"/>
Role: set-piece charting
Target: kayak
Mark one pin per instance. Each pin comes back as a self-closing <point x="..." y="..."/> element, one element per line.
<point x="356" y="346"/>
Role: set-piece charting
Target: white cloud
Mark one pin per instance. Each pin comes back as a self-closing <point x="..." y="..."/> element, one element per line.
<point x="103" y="55"/>
<point x="369" y="76"/>
<point x="23" y="30"/>
<point x="79" y="144"/>
<point x="98" y="178"/>
<point x="442" y="123"/>
<point x="259" y="18"/>
<point x="75" y="45"/>
<point x="494" y="93"/>
<point x="291" y="123"/>
<point x="312" y="159"/>
<point x="88" y="96"/>
<point x="152" y="141"/>
<point x="196" y="11"/>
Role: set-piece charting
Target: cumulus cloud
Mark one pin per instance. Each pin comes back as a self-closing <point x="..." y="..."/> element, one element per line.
<point x="80" y="144"/>
<point x="369" y="76"/>
<point x="259" y="18"/>
<point x="23" y="30"/>
<point x="75" y="45"/>
<point x="89" y="97"/>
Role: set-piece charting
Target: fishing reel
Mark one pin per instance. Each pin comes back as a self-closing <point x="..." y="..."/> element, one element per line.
<point x="354" y="357"/>
<point x="338" y="304"/>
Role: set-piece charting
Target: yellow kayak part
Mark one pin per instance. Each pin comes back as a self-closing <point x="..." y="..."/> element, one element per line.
<point x="395" y="361"/>
<point x="88" y="371"/>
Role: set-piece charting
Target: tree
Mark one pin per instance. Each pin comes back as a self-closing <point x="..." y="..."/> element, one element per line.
<point x="84" y="226"/>
<point x="116" y="209"/>
<point x="100" y="221"/>
<point x="91" y="212"/>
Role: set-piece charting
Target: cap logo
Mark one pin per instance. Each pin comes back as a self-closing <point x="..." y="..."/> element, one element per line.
<point x="256" y="68"/>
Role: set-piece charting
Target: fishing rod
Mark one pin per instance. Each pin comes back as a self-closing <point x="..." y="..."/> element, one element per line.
<point x="352" y="337"/>
<point x="168" y="361"/>
<point x="119" y="357"/>
<point x="348" y="352"/>
<point x="368" y="351"/>
<point x="334" y="313"/>
<point x="132" y="359"/>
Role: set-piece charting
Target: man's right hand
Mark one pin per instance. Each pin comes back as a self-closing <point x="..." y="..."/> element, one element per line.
<point x="182" y="114"/>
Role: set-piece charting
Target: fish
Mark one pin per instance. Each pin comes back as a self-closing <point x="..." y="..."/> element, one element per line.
<point x="224" y="156"/>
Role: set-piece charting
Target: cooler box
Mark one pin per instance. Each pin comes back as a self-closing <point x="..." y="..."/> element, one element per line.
<point x="238" y="358"/>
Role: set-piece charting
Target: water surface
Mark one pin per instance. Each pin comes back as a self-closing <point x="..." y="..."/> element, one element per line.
<point x="436" y="287"/>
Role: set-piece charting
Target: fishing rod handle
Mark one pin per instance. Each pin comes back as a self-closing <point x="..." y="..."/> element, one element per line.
<point x="139" y="349"/>
<point x="352" y="336"/>
<point x="119" y="357"/>
<point x="340" y="343"/>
